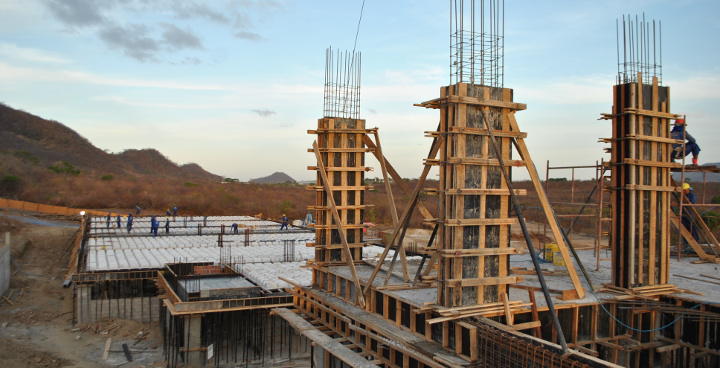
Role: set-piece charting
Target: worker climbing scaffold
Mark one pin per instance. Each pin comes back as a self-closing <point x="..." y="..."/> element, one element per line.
<point x="680" y="133"/>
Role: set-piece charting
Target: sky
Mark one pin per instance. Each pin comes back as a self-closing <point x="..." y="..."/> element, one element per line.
<point x="235" y="85"/>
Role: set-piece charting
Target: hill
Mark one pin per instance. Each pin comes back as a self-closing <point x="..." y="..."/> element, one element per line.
<point x="697" y="177"/>
<point x="29" y="142"/>
<point x="274" y="178"/>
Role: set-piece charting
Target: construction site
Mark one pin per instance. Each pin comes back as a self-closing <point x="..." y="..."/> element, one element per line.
<point x="477" y="287"/>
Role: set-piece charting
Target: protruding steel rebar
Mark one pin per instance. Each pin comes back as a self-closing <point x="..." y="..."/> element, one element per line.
<point x="342" y="84"/>
<point x="477" y="42"/>
<point x="641" y="49"/>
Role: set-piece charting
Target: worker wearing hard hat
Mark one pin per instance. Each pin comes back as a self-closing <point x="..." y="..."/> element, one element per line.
<point x="679" y="132"/>
<point x="688" y="193"/>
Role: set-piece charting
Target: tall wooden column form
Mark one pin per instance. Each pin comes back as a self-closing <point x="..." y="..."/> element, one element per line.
<point x="340" y="145"/>
<point x="641" y="148"/>
<point x="474" y="234"/>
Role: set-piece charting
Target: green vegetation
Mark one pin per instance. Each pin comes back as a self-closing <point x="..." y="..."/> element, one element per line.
<point x="231" y="180"/>
<point x="712" y="219"/>
<point x="64" y="167"/>
<point x="286" y="206"/>
<point x="190" y="185"/>
<point x="27" y="157"/>
<point x="9" y="185"/>
<point x="106" y="177"/>
<point x="715" y="200"/>
<point x="558" y="179"/>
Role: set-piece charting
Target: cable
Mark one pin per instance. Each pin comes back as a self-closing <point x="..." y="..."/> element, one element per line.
<point x="638" y="329"/>
<point x="357" y="31"/>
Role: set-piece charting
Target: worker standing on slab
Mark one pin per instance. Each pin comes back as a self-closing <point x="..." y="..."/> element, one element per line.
<point x="679" y="132"/>
<point x="138" y="209"/>
<point x="107" y="220"/>
<point x="119" y="221"/>
<point x="167" y="226"/>
<point x="174" y="211"/>
<point x="284" y="220"/>
<point x="129" y="222"/>
<point x="154" y="225"/>
<point x="234" y="228"/>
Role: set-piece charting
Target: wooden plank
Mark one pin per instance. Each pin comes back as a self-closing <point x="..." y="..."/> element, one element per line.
<point x="437" y="102"/>
<point x="391" y="201"/>
<point x="394" y="174"/>
<point x="690" y="239"/>
<point x="322" y="340"/>
<point x="477" y="252"/>
<point x="648" y="113"/>
<point x="434" y="148"/>
<point x="484" y="281"/>
<point x="547" y="210"/>
<point x="338" y="221"/>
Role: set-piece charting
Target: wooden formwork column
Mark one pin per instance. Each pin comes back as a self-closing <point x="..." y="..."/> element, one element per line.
<point x="641" y="148"/>
<point x="340" y="143"/>
<point x="474" y="237"/>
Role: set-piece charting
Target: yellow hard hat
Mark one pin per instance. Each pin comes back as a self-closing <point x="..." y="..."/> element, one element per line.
<point x="686" y="186"/>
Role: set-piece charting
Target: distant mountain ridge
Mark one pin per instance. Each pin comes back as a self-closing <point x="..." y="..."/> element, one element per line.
<point x="274" y="178"/>
<point x="46" y="142"/>
<point x="698" y="176"/>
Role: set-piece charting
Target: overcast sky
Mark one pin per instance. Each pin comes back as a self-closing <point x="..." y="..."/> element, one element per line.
<point x="234" y="85"/>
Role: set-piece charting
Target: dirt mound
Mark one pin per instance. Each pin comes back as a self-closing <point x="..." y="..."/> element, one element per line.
<point x="16" y="355"/>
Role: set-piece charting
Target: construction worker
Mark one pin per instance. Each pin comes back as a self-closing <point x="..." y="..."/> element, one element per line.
<point x="129" y="222"/>
<point x="138" y="209"/>
<point x="284" y="220"/>
<point x="154" y="225"/>
<point x="174" y="211"/>
<point x="119" y="221"/>
<point x="686" y="220"/>
<point x="679" y="132"/>
<point x="167" y="226"/>
<point x="107" y="220"/>
<point x="234" y="228"/>
<point x="167" y="212"/>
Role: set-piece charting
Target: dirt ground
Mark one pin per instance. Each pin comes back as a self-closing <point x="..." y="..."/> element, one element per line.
<point x="36" y="313"/>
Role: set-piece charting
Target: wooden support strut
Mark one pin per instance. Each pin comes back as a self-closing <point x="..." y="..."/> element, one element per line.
<point x="336" y="216"/>
<point x="391" y="201"/>
<point x="394" y="174"/>
<point x="546" y="207"/>
<point x="435" y="147"/>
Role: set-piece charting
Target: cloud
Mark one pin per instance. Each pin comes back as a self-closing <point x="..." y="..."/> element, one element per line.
<point x="180" y="39"/>
<point x="77" y="12"/>
<point x="190" y="10"/>
<point x="30" y="54"/>
<point x="132" y="40"/>
<point x="250" y="36"/>
<point x="158" y="27"/>
<point x="264" y="112"/>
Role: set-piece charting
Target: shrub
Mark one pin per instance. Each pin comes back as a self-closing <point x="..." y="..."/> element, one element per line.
<point x="190" y="185"/>
<point x="715" y="200"/>
<point x="9" y="185"/>
<point x="64" y="167"/>
<point x="27" y="157"/>
<point x="286" y="206"/>
<point x="107" y="177"/>
<point x="712" y="219"/>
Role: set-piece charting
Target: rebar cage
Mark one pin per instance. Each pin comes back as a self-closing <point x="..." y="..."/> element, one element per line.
<point x="477" y="42"/>
<point x="342" y="84"/>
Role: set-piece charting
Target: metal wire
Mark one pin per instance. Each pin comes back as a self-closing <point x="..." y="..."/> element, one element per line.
<point x="477" y="42"/>
<point x="641" y="49"/>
